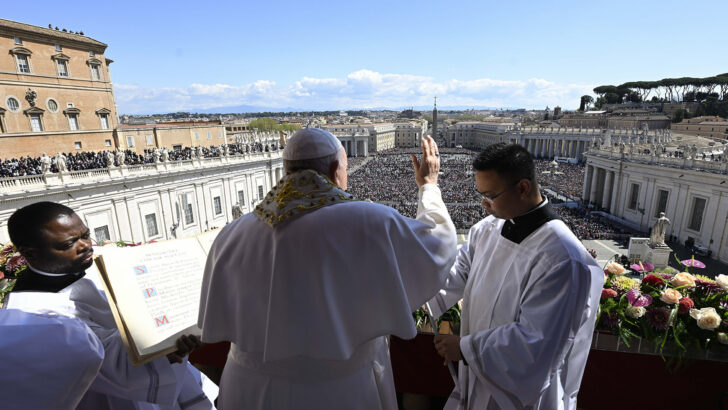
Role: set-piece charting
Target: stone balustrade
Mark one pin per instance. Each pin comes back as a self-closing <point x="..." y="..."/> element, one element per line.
<point x="10" y="186"/>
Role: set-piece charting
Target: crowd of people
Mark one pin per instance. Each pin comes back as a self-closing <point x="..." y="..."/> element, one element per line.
<point x="587" y="225"/>
<point x="386" y="178"/>
<point x="565" y="179"/>
<point x="83" y="160"/>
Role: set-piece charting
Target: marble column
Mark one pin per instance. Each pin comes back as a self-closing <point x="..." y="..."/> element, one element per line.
<point x="593" y="189"/>
<point x="615" y="194"/>
<point x="606" y="196"/>
<point x="552" y="142"/>
<point x="587" y="184"/>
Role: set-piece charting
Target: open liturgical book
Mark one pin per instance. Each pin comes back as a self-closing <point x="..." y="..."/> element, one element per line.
<point x="154" y="292"/>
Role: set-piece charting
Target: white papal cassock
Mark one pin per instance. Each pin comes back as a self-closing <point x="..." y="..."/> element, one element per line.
<point x="307" y="304"/>
<point x="530" y="295"/>
<point x="119" y="384"/>
<point x="47" y="361"/>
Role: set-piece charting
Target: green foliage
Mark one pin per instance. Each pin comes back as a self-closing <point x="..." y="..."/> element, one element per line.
<point x="270" y="124"/>
<point x="452" y="315"/>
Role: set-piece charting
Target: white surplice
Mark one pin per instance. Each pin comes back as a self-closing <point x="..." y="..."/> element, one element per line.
<point x="307" y="305"/>
<point x="119" y="384"/>
<point x="47" y="361"/>
<point x="527" y="317"/>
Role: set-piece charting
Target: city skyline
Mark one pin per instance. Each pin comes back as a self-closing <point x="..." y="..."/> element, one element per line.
<point x="290" y="56"/>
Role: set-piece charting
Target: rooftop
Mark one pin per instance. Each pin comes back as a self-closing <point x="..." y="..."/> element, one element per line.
<point x="15" y="27"/>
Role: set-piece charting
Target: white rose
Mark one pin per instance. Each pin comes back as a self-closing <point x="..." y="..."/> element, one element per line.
<point x="670" y="296"/>
<point x="723" y="338"/>
<point x="635" y="312"/>
<point x="616" y="269"/>
<point x="722" y="281"/>
<point x="683" y="279"/>
<point x="707" y="318"/>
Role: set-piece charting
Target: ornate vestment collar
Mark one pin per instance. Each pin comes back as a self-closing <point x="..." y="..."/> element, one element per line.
<point x="299" y="193"/>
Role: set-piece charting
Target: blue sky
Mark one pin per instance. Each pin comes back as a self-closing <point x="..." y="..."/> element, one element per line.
<point x="186" y="55"/>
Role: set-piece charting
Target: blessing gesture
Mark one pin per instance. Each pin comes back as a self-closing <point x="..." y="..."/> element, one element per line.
<point x="426" y="169"/>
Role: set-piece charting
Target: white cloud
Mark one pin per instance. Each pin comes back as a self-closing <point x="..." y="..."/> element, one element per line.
<point x="360" y="89"/>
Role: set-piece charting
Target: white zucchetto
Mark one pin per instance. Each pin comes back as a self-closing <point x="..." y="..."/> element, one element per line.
<point x="311" y="143"/>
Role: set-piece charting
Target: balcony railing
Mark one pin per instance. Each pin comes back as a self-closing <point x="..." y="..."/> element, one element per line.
<point x="49" y="180"/>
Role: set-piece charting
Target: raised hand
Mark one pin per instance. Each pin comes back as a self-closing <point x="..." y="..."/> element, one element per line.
<point x="427" y="168"/>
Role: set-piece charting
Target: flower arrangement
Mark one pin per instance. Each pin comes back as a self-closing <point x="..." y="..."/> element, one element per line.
<point x="665" y="307"/>
<point x="12" y="265"/>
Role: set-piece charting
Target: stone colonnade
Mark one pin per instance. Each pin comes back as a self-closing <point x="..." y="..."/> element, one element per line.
<point x="600" y="188"/>
<point x="555" y="147"/>
<point x="355" y="146"/>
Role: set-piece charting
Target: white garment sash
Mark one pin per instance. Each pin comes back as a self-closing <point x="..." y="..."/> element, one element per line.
<point x="306" y="369"/>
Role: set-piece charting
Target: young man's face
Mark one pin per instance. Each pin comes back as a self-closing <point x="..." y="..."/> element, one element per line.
<point x="500" y="197"/>
<point x="66" y="246"/>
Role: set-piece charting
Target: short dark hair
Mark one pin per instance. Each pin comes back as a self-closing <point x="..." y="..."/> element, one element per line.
<point x="26" y="224"/>
<point x="512" y="162"/>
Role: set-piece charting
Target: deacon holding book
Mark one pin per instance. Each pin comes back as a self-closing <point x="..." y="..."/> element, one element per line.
<point x="57" y="246"/>
<point x="308" y="286"/>
<point x="530" y="296"/>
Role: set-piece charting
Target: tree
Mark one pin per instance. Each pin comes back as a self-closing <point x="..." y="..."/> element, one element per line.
<point x="585" y="101"/>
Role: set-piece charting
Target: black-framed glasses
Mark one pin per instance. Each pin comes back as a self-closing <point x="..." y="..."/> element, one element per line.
<point x="491" y="198"/>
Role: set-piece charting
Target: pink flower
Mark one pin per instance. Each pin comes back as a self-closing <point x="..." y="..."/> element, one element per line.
<point x="608" y="293"/>
<point x="7" y="250"/>
<point x="637" y="299"/>
<point x="670" y="296"/>
<point x="15" y="262"/>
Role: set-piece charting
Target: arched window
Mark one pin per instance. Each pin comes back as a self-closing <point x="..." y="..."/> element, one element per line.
<point x="22" y="59"/>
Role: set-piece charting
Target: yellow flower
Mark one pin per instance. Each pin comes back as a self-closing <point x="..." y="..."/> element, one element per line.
<point x="624" y="283"/>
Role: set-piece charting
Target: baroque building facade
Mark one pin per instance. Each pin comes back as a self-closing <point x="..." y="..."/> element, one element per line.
<point x="55" y="91"/>
<point x="635" y="186"/>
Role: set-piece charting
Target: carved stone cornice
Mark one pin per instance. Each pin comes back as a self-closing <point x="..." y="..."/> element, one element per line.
<point x="60" y="56"/>
<point x="33" y="110"/>
<point x="72" y="110"/>
<point x="20" y="50"/>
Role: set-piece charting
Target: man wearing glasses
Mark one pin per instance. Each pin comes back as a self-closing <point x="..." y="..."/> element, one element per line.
<point x="530" y="295"/>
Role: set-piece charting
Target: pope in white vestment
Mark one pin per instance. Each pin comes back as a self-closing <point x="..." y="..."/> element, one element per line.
<point x="308" y="286"/>
<point x="46" y="361"/>
<point x="530" y="294"/>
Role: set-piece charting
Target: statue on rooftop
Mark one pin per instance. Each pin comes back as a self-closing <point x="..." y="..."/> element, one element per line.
<point x="45" y="164"/>
<point x="120" y="156"/>
<point x="61" y="162"/>
<point x="109" y="159"/>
